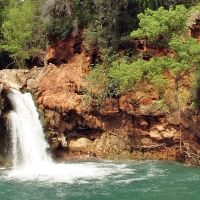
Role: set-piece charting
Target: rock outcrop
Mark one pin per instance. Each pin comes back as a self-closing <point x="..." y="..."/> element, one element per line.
<point x="134" y="126"/>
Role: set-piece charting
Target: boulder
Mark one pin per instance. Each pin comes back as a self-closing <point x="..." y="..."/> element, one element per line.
<point x="81" y="144"/>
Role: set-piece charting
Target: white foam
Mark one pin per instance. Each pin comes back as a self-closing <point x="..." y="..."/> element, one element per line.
<point x="68" y="173"/>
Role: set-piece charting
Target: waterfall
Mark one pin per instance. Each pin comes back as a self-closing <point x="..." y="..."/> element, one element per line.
<point x="29" y="144"/>
<point x="30" y="159"/>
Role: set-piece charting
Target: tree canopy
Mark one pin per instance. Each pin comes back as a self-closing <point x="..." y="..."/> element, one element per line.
<point x="22" y="30"/>
<point x="108" y="27"/>
<point x="159" y="26"/>
<point x="27" y="25"/>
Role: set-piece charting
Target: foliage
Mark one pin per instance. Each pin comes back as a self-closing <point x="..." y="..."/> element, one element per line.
<point x="154" y="73"/>
<point x="155" y="4"/>
<point x="186" y="51"/>
<point x="107" y="24"/>
<point x="22" y="31"/>
<point x="186" y="60"/>
<point x="196" y="104"/>
<point x="3" y="4"/>
<point x="162" y="72"/>
<point x="111" y="21"/>
<point x="96" y="87"/>
<point x="99" y="84"/>
<point x="128" y="75"/>
<point x="83" y="11"/>
<point x="131" y="75"/>
<point x="159" y="26"/>
<point x="62" y="17"/>
<point x="59" y="28"/>
<point x="98" y="35"/>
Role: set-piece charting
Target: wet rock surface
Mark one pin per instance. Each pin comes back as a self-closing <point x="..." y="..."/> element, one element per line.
<point x="124" y="128"/>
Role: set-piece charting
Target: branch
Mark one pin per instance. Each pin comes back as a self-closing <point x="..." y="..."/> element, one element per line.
<point x="10" y="64"/>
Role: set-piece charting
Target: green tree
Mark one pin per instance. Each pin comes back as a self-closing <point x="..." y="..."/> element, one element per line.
<point x="3" y="4"/>
<point x="127" y="74"/>
<point x="62" y="17"/>
<point x="164" y="28"/>
<point x="163" y="73"/>
<point x="159" y="26"/>
<point x="185" y="61"/>
<point x="101" y="34"/>
<point x="155" y="4"/>
<point x="182" y="60"/>
<point x="96" y="87"/>
<point x="112" y="21"/>
<point x="4" y="57"/>
<point x="22" y="31"/>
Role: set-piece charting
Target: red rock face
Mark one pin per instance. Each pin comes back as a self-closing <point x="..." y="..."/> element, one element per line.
<point x="62" y="51"/>
<point x="195" y="30"/>
<point x="148" y="51"/>
<point x="58" y="87"/>
<point x="196" y="33"/>
<point x="60" y="83"/>
<point x="59" y="52"/>
<point x="135" y="126"/>
<point x="132" y="127"/>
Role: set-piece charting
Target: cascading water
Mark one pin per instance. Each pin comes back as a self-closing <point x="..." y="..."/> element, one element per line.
<point x="29" y="145"/>
<point x="36" y="176"/>
<point x="30" y="159"/>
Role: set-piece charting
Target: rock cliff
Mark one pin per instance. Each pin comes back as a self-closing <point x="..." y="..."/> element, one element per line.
<point x="134" y="126"/>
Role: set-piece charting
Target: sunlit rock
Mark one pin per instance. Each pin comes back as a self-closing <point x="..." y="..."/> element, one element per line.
<point x="81" y="144"/>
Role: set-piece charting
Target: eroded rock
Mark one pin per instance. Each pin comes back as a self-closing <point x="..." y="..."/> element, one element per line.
<point x="80" y="145"/>
<point x="134" y="126"/>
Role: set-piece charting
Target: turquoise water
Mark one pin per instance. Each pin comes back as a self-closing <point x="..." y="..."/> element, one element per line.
<point x="135" y="180"/>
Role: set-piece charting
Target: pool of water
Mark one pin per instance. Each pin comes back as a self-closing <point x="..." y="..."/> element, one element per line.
<point x="134" y="180"/>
